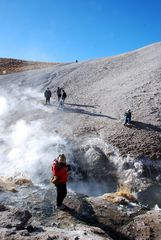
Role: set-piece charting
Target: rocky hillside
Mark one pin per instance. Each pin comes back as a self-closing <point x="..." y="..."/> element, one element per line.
<point x="98" y="93"/>
<point x="90" y="131"/>
<point x="10" y="65"/>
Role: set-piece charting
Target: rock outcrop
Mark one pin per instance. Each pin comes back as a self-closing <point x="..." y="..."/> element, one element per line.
<point x="83" y="218"/>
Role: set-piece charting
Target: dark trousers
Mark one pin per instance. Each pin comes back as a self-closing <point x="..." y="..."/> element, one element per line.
<point x="61" y="193"/>
<point x="59" y="96"/>
<point x="47" y="100"/>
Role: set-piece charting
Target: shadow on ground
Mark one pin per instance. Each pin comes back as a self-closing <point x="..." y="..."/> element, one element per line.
<point x="82" y="111"/>
<point x="78" y="109"/>
<point x="81" y="105"/>
<point x="145" y="126"/>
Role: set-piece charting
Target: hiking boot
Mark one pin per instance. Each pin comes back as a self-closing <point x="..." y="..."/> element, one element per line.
<point x="61" y="207"/>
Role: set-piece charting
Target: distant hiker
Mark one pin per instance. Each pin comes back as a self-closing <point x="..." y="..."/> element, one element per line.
<point x="59" y="93"/>
<point x="127" y="116"/>
<point x="47" y="95"/>
<point x="64" y="95"/>
<point x="60" y="177"/>
<point x="76" y="61"/>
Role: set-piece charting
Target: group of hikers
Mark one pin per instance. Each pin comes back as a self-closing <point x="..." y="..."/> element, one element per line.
<point x="61" y="94"/>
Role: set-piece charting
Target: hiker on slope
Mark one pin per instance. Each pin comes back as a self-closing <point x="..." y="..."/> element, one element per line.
<point x="64" y="95"/>
<point x="59" y="93"/>
<point x="127" y="117"/>
<point x="60" y="177"/>
<point x="47" y="95"/>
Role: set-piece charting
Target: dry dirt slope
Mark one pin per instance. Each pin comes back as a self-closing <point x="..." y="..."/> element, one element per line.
<point x="99" y="91"/>
<point x="112" y="85"/>
<point x="10" y="65"/>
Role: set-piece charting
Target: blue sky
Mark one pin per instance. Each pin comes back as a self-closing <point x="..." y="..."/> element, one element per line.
<point x="66" y="30"/>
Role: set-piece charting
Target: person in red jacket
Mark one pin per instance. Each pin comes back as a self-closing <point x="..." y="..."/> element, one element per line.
<point x="60" y="174"/>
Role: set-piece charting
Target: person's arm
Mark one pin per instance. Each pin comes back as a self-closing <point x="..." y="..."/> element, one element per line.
<point x="54" y="178"/>
<point x="54" y="168"/>
<point x="68" y="167"/>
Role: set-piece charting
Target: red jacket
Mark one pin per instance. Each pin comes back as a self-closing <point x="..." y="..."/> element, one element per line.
<point x="61" y="171"/>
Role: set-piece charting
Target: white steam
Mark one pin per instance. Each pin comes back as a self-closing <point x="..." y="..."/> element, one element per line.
<point x="28" y="139"/>
<point x="3" y="106"/>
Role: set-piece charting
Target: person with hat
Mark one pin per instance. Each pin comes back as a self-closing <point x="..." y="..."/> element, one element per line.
<point x="60" y="177"/>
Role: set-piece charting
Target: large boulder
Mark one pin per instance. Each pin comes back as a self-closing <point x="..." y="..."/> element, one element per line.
<point x="145" y="226"/>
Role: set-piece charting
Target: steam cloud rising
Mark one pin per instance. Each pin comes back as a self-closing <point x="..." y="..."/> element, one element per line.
<point x="28" y="141"/>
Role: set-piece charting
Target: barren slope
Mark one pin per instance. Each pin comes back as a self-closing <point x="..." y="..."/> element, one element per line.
<point x="99" y="91"/>
<point x="10" y="65"/>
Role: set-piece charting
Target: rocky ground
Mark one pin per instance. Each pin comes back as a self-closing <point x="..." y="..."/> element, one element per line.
<point x="139" y="139"/>
<point x="83" y="218"/>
